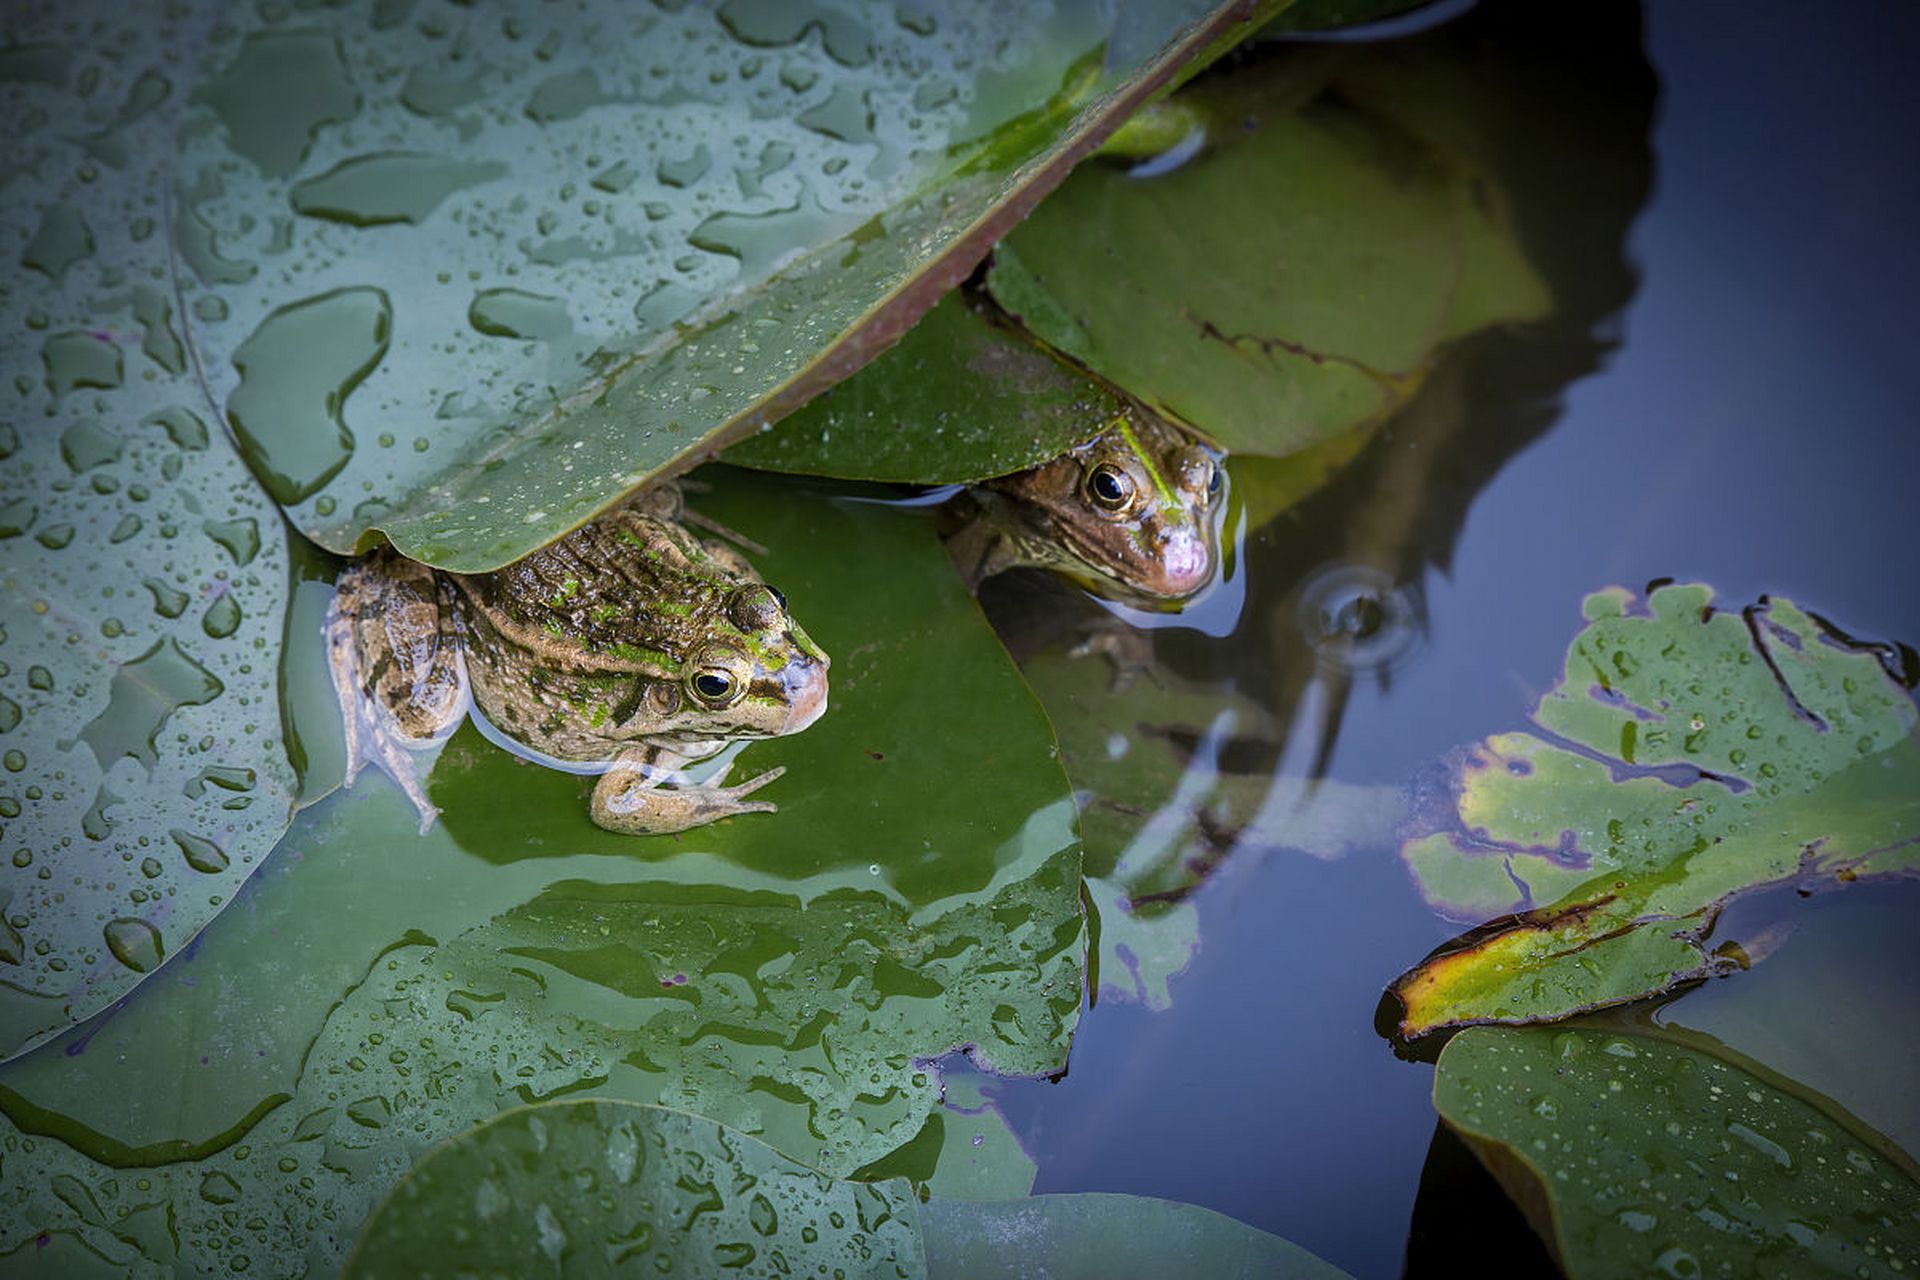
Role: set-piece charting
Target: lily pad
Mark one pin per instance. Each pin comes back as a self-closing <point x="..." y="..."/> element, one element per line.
<point x="1094" y="1235"/>
<point x="596" y="1186"/>
<point x="466" y="279"/>
<point x="602" y="1187"/>
<point x="962" y="397"/>
<point x="1637" y="1156"/>
<point x="797" y="975"/>
<point x="142" y="573"/>
<point x="1290" y="282"/>
<point x="1688" y="755"/>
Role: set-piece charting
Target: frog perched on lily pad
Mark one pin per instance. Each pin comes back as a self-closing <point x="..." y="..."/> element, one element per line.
<point x="629" y="642"/>
<point x="1132" y="514"/>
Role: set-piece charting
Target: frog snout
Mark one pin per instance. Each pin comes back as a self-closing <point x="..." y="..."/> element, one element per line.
<point x="1185" y="563"/>
<point x="804" y="681"/>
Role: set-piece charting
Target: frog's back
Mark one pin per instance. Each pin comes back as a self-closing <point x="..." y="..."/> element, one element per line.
<point x="628" y="592"/>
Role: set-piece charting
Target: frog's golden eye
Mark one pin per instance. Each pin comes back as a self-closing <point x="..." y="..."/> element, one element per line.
<point x="757" y="607"/>
<point x="719" y="680"/>
<point x="1110" y="487"/>
<point x="1198" y="474"/>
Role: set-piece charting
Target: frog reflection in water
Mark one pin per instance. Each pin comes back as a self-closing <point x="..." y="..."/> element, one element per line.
<point x="629" y="641"/>
<point x="1131" y="515"/>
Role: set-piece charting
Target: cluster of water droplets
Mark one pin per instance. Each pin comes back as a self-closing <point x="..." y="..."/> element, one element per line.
<point x="1663" y="1160"/>
<point x="143" y="574"/>
<point x="596" y="1185"/>
<point x="809" y="1026"/>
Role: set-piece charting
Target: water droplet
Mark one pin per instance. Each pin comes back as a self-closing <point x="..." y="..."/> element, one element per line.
<point x="134" y="943"/>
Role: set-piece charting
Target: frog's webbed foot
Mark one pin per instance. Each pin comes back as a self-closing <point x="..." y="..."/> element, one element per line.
<point x="1129" y="649"/>
<point x="397" y="670"/>
<point x="633" y="799"/>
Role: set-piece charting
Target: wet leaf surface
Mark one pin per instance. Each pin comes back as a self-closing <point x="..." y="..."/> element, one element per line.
<point x="792" y="974"/>
<point x="1092" y="1235"/>
<point x="466" y="279"/>
<point x="599" y="1185"/>
<point x="962" y="397"/>
<point x="1639" y="1156"/>
<point x="1292" y="280"/>
<point x="603" y="1187"/>
<point x="1688" y="755"/>
<point x="142" y="573"/>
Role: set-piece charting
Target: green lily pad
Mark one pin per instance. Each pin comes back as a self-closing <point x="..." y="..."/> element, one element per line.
<point x="1688" y="755"/>
<point x="962" y="397"/>
<point x="471" y="303"/>
<point x="1637" y="1156"/>
<point x="142" y="573"/>
<point x="1291" y="282"/>
<point x="796" y="975"/>
<point x="602" y="1187"/>
<point x="1093" y="1235"/>
<point x="595" y="1186"/>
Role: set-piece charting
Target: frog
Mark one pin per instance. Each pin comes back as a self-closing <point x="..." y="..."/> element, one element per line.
<point x="630" y="643"/>
<point x="1131" y="514"/>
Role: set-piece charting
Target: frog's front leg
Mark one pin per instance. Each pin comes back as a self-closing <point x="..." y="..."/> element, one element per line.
<point x="397" y="668"/>
<point x="635" y="798"/>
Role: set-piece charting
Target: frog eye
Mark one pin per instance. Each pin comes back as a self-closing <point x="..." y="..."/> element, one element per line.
<point x="1198" y="474"/>
<point x="757" y="607"/>
<point x="1216" y="480"/>
<point x="718" y="681"/>
<point x="1110" y="487"/>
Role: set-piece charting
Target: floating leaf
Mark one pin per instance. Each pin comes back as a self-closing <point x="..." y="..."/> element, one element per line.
<point x="471" y="305"/>
<point x="1092" y="1235"/>
<point x="1637" y="1156"/>
<point x="605" y="1187"/>
<point x="598" y="1186"/>
<point x="962" y="397"/>
<point x="795" y="974"/>
<point x="1687" y="755"/>
<point x="1290" y="282"/>
<point x="138" y="648"/>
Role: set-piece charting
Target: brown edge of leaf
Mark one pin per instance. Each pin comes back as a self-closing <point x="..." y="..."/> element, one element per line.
<point x="887" y="320"/>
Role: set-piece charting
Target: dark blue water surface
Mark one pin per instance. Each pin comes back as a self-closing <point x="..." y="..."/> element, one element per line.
<point x="1752" y="430"/>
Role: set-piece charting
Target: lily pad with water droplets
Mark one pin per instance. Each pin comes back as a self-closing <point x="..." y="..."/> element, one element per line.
<point x="1688" y="754"/>
<point x="143" y="575"/>
<point x="606" y="1187"/>
<point x="466" y="278"/>
<point x="1633" y="1155"/>
<point x="599" y="1187"/>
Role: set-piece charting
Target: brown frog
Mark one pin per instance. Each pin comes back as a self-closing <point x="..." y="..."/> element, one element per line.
<point x="629" y="642"/>
<point x="1132" y="515"/>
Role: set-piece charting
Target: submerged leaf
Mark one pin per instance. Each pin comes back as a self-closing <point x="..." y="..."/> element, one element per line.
<point x="1686" y="756"/>
<point x="962" y="397"/>
<point x="143" y="574"/>
<point x="1291" y="281"/>
<point x="567" y="251"/>
<point x="600" y="1188"/>
<point x="1636" y="1156"/>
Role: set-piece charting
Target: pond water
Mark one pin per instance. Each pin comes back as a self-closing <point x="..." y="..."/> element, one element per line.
<point x="1752" y="431"/>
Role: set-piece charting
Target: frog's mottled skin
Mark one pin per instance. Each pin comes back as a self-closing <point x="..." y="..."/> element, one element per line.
<point x="1132" y="514"/>
<point x="629" y="641"/>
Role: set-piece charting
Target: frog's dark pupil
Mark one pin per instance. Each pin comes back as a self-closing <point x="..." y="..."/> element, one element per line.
<point x="1107" y="487"/>
<point x="779" y="596"/>
<point x="1213" y="478"/>
<point x="711" y="685"/>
